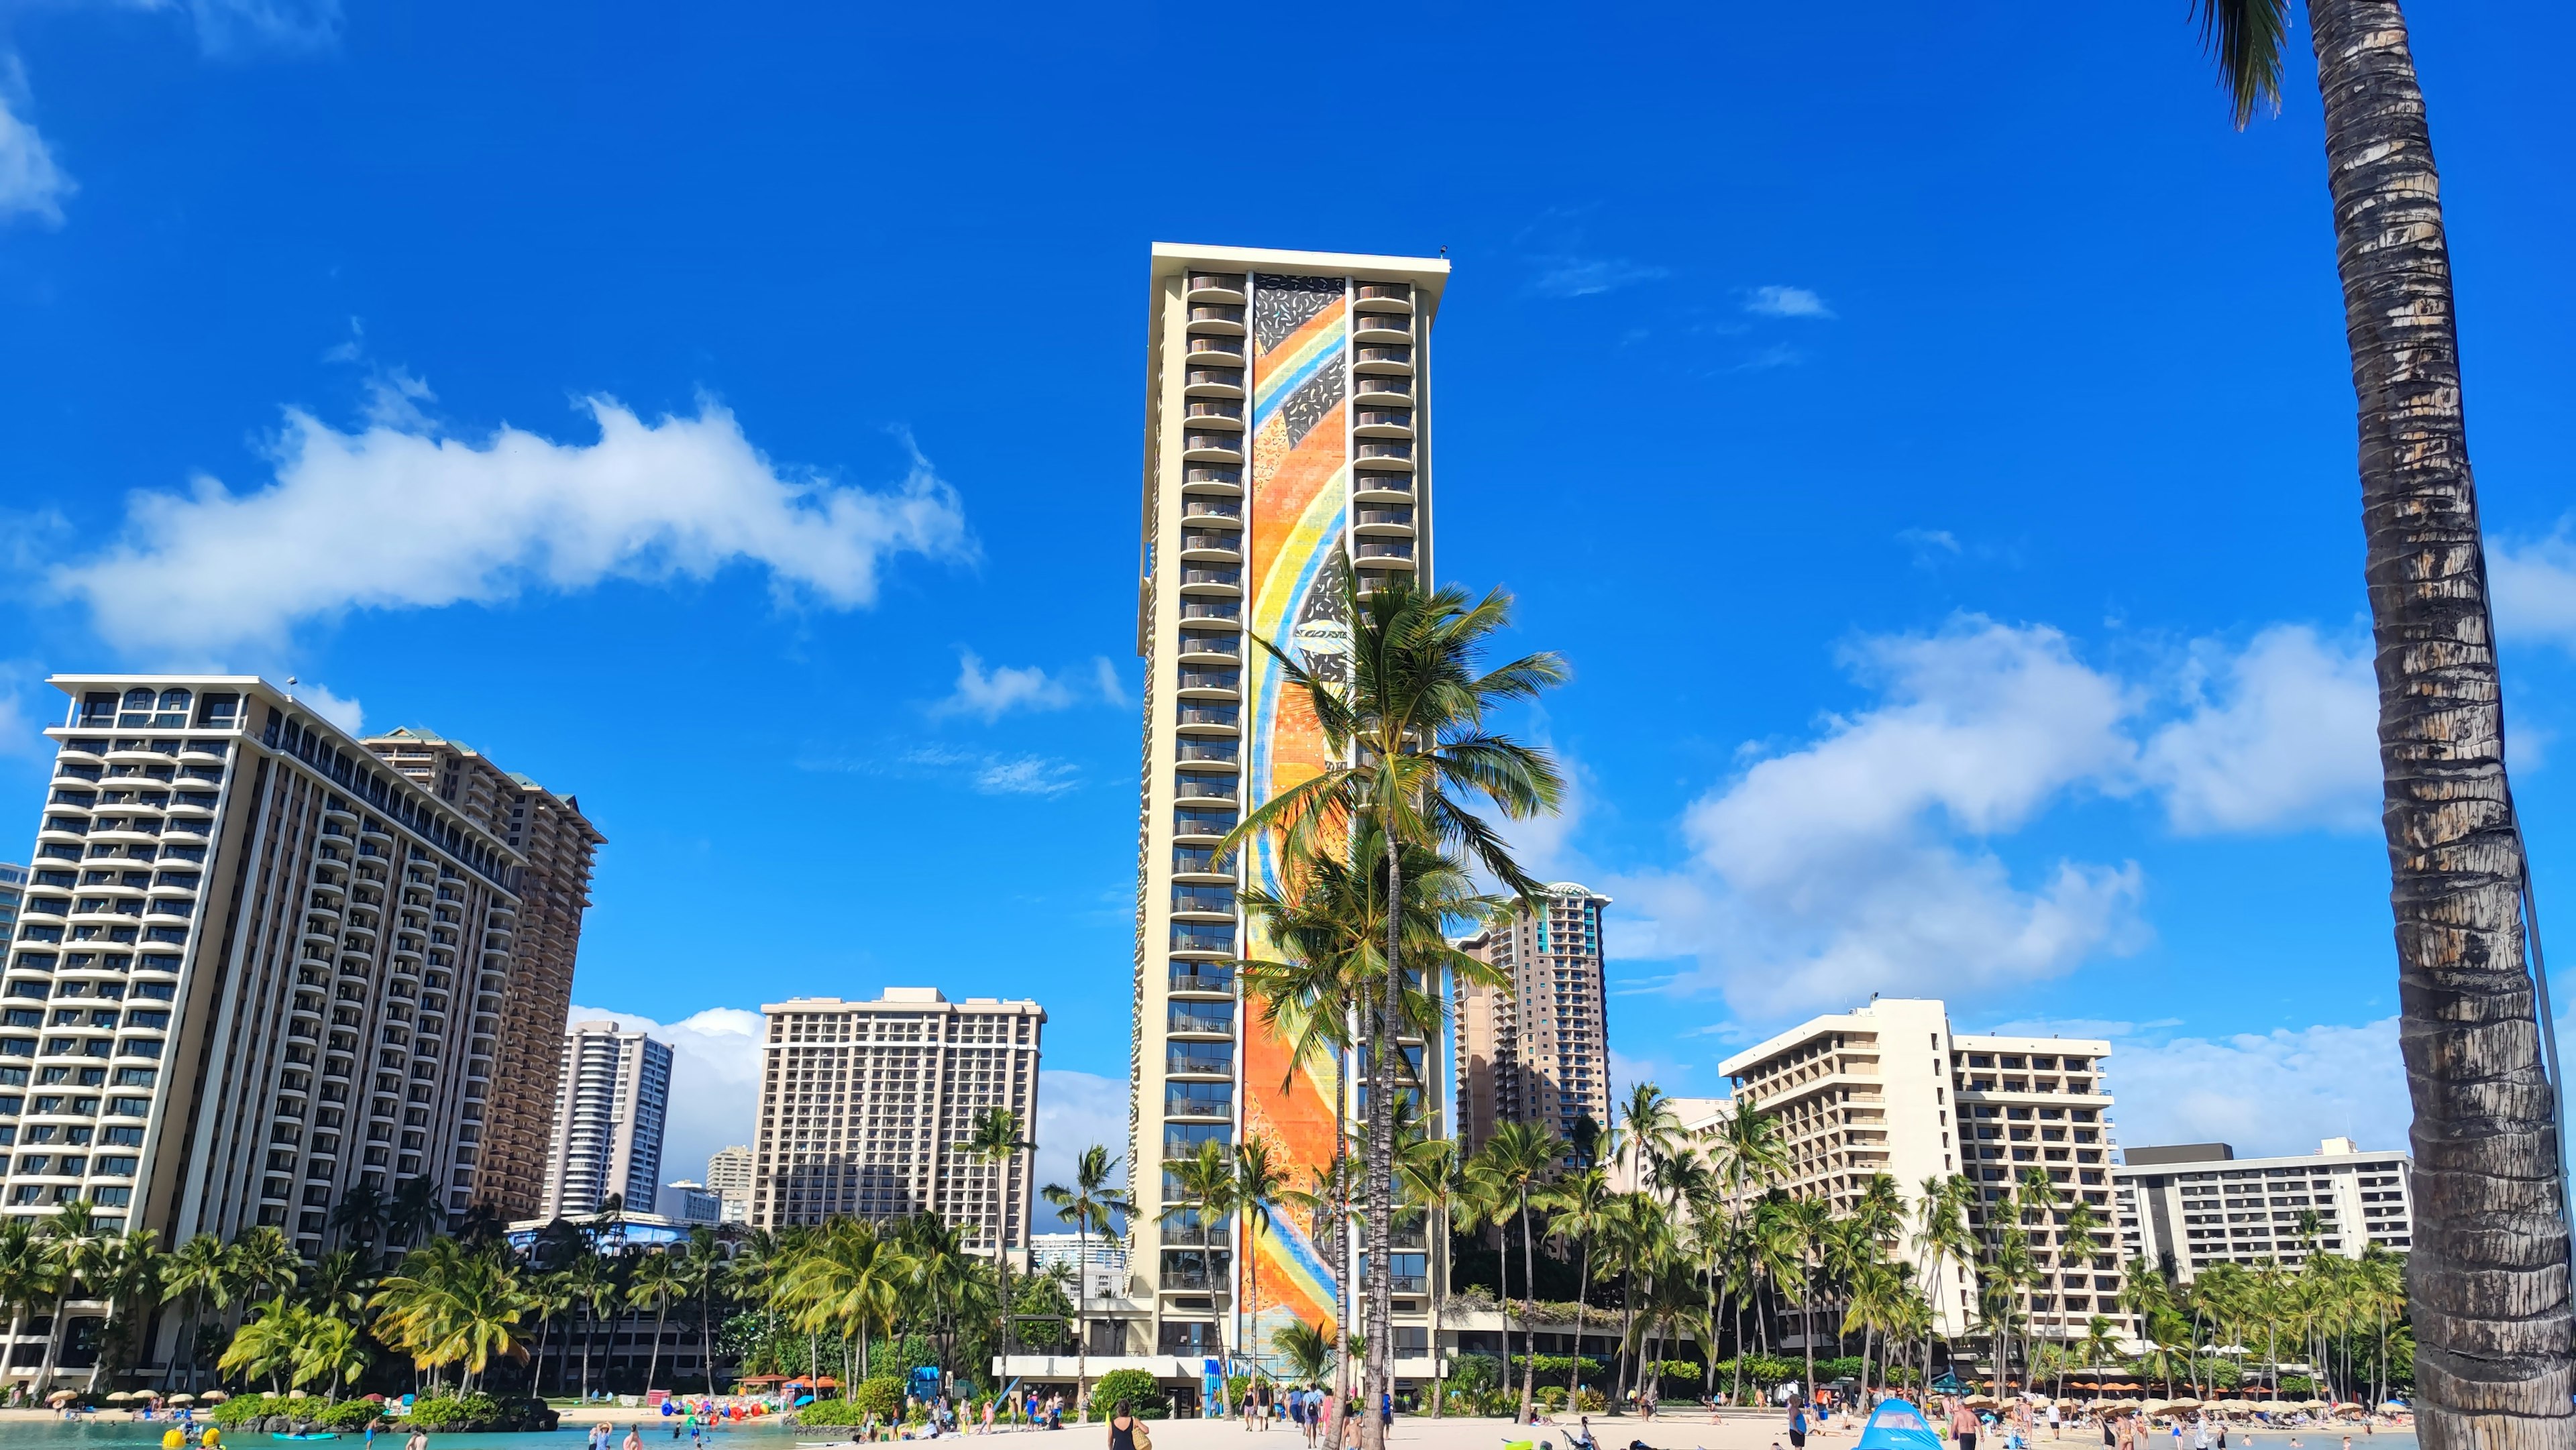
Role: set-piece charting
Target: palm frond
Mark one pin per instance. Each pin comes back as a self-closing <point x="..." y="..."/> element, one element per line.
<point x="2245" y="38"/>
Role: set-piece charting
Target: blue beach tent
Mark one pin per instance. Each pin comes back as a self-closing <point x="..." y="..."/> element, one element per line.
<point x="1896" y="1425"/>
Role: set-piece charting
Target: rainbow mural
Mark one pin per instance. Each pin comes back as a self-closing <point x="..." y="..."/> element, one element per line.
<point x="1300" y="502"/>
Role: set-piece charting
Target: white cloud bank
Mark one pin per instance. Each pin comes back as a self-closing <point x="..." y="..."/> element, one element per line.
<point x="402" y="516"/>
<point x="31" y="183"/>
<point x="1863" y="860"/>
<point x="991" y="694"/>
<point x="1786" y="302"/>
<point x="2534" y="586"/>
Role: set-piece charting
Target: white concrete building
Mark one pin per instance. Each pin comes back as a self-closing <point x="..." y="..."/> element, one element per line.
<point x="2197" y="1204"/>
<point x="255" y="968"/>
<point x="863" y="1106"/>
<point x="1287" y="446"/>
<point x="1891" y="1088"/>
<point x="729" y="1178"/>
<point x="611" y="1103"/>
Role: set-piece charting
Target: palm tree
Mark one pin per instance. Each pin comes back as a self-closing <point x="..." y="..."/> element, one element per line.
<point x="2459" y="875"/>
<point x="1205" y="1182"/>
<point x="593" y="1288"/>
<point x="1411" y="717"/>
<point x="993" y="1140"/>
<point x="29" y="1275"/>
<point x="699" y="1267"/>
<point x="1434" y="1179"/>
<point x="1260" y="1180"/>
<point x="446" y="1304"/>
<point x="328" y="1345"/>
<point x="1941" y="1236"/>
<point x="653" y="1284"/>
<point x="360" y="1213"/>
<point x="1649" y="1126"/>
<point x="264" y="1346"/>
<point x="340" y="1282"/>
<point x="414" y="1211"/>
<point x="1092" y="1206"/>
<point x="1518" y="1161"/>
<point x="1806" y="1223"/>
<point x="263" y="1261"/>
<point x="74" y="1244"/>
<point x="1578" y="1206"/>
<point x="1309" y="1350"/>
<point x="848" y="1277"/>
<point x="128" y="1277"/>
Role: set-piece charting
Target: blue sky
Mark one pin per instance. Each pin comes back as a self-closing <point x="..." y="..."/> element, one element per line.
<point x="1930" y="443"/>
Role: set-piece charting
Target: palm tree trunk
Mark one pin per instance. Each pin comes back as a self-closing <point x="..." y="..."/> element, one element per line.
<point x="1380" y="1184"/>
<point x="2486" y="1279"/>
<point x="1529" y="1313"/>
<point x="1082" y="1310"/>
<point x="53" y="1344"/>
<point x="1582" y="1286"/>
<point x="1440" y="1291"/>
<point x="587" y="1315"/>
<point x="653" y="1362"/>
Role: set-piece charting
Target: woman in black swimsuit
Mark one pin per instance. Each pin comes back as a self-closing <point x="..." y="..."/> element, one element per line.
<point x="1122" y="1427"/>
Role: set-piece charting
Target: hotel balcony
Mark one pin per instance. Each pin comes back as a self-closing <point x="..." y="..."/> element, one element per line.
<point x="1212" y="546"/>
<point x="1381" y="488"/>
<point x="1381" y="388"/>
<point x="1379" y="520"/>
<point x="1208" y="717"/>
<point x="1198" y="647"/>
<point x="1214" y="412"/>
<point x="1208" y="349"/>
<point x="1383" y="552"/>
<point x="1209" y="826"/>
<point x="1199" y="606"/>
<point x="1382" y="423"/>
<point x="1217" y="317"/>
<point x="1221" y="749"/>
<point x="1385" y="297"/>
<point x="1212" y="447"/>
<point x="1381" y="327"/>
<point x="1208" y="287"/>
<point x="1210" y="683"/>
<point x="1206" y="579"/>
<point x="1204" y="788"/>
<point x="1202" y="510"/>
<point x="1207" y="979"/>
<point x="1383" y="453"/>
<point x="1384" y="357"/>
<point x="1212" y="383"/>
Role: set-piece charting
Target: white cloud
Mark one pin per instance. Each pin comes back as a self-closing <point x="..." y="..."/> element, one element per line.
<point x="715" y="1081"/>
<point x="1104" y="677"/>
<point x="1076" y="1110"/>
<point x="2534" y="588"/>
<point x="1588" y="276"/>
<point x="2287" y="738"/>
<point x="1858" y="863"/>
<point x="2265" y="1093"/>
<point x="992" y="694"/>
<point x="400" y="516"/>
<point x="239" y="27"/>
<point x="31" y="183"/>
<point x="344" y="713"/>
<point x="1778" y="301"/>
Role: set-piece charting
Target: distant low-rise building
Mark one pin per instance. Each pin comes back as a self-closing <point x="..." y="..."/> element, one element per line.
<point x="685" y="1202"/>
<point x="2191" y="1205"/>
<point x="1102" y="1262"/>
<point x="729" y="1178"/>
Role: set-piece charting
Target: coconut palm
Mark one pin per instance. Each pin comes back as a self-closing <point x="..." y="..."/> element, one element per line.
<point x="1518" y="1162"/>
<point x="360" y="1213"/>
<point x="197" y="1274"/>
<point x="1648" y="1128"/>
<point x="1408" y="708"/>
<point x="414" y="1211"/>
<point x="1308" y="1349"/>
<point x="652" y="1284"/>
<point x="1941" y="1236"/>
<point x="339" y="1283"/>
<point x="128" y="1277"/>
<point x="29" y="1275"/>
<point x="699" y="1266"/>
<point x="1205" y="1182"/>
<point x="1260" y="1180"/>
<point x="1434" y="1179"/>
<point x="1578" y="1207"/>
<point x="994" y="1139"/>
<point x="848" y="1277"/>
<point x="73" y="1241"/>
<point x="264" y="1346"/>
<point x="262" y="1262"/>
<point x="328" y="1346"/>
<point x="1092" y="1206"/>
<point x="2459" y="876"/>
<point x="446" y="1305"/>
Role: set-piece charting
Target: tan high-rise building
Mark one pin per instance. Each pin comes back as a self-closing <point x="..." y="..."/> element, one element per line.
<point x="558" y="844"/>
<point x="255" y="969"/>
<point x="863" y="1106"/>
<point x="729" y="1179"/>
<point x="1536" y="1051"/>
<point x="1287" y="456"/>
<point x="1890" y="1088"/>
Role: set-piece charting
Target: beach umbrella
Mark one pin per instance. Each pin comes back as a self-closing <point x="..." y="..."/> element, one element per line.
<point x="2185" y="1403"/>
<point x="214" y="1397"/>
<point x="2392" y="1404"/>
<point x="58" y="1396"/>
<point x="183" y="1399"/>
<point x="119" y="1397"/>
<point x="375" y="1399"/>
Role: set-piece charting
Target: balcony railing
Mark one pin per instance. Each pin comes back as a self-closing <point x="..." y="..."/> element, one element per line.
<point x="1198" y="1100"/>
<point x="1386" y="291"/>
<point x="1383" y="448"/>
<point x="1203" y="342"/>
<point x="1216" y="408"/>
<point x="1200" y="642"/>
<point x="1209" y="747"/>
<point x="1193" y="679"/>
<point x="1198" y="785"/>
<point x="1199" y="1057"/>
<point x="1216" y="281"/>
<point x="1202" y="823"/>
<point x="1209" y="712"/>
<point x="1202" y="899"/>
<point x="1384" y="383"/>
<point x="1202" y="977"/>
<point x="1204" y="936"/>
<point x="1398" y="353"/>
<point x="1200" y="606"/>
<point x="1212" y="505"/>
<point x="1216" y="312"/>
<point x="1195" y="860"/>
<point x="1213" y="442"/>
<point x="1223" y="540"/>
<point x="1383" y="418"/>
<point x="1384" y="548"/>
<point x="1193" y="574"/>
<point x="1403" y="516"/>
<point x="1202" y="1017"/>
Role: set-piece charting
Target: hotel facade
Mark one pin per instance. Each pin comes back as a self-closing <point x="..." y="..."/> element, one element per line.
<point x="2192" y="1205"/>
<point x="256" y="968"/>
<point x="1891" y="1088"/>
<point x="864" y="1107"/>
<point x="1287" y="456"/>
<point x="1536" y="1049"/>
<point x="612" y="1100"/>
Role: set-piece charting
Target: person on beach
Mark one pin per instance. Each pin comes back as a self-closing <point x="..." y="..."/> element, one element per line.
<point x="1963" y="1425"/>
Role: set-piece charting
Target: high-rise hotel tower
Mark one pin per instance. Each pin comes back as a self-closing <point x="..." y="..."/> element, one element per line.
<point x="1287" y="449"/>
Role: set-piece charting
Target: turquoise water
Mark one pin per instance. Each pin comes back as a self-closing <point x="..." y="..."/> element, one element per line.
<point x="146" y="1435"/>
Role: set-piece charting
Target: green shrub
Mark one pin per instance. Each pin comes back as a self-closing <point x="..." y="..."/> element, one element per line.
<point x="454" y="1412"/>
<point x="1591" y="1401"/>
<point x="240" y="1410"/>
<point x="881" y="1397"/>
<point x="831" y="1412"/>
<point x="350" y="1415"/>
<point x="1134" y="1386"/>
<point x="1551" y="1398"/>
